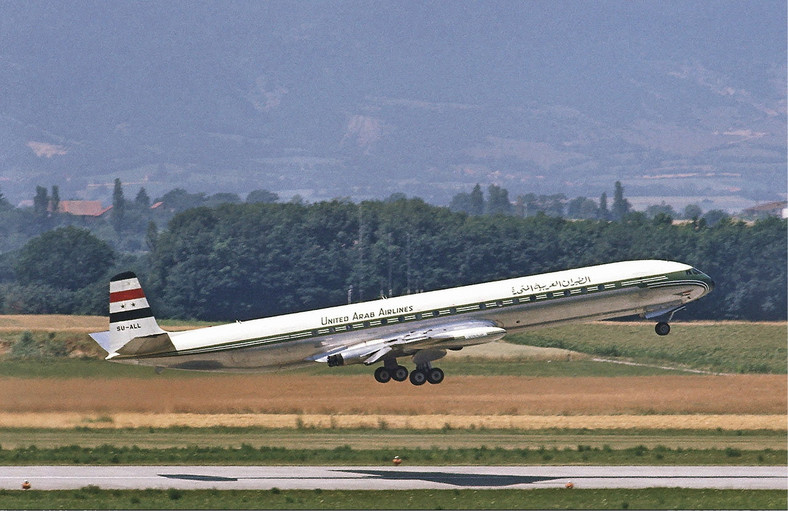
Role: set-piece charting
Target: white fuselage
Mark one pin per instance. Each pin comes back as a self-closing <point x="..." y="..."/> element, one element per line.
<point x="590" y="293"/>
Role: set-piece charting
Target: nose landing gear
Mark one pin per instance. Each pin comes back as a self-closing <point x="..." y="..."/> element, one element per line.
<point x="662" y="328"/>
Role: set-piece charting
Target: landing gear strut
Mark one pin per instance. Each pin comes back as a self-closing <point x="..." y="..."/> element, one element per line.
<point x="663" y="327"/>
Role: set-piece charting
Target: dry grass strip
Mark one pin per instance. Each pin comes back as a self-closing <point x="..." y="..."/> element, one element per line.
<point x="458" y="395"/>
<point x="375" y="421"/>
<point x="53" y="323"/>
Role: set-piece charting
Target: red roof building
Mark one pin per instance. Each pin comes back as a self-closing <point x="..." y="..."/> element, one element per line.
<point x="84" y="208"/>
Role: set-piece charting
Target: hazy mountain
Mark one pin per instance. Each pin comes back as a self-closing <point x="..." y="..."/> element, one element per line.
<point x="365" y="99"/>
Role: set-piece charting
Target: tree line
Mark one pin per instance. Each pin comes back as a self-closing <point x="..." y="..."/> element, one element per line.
<point x="246" y="260"/>
<point x="497" y="202"/>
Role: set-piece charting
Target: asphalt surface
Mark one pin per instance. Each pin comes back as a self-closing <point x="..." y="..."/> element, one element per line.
<point x="392" y="477"/>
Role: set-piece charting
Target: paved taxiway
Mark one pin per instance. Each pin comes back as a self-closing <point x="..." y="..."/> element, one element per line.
<point x="392" y="478"/>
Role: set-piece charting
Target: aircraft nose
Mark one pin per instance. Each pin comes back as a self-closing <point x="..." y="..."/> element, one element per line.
<point x="709" y="282"/>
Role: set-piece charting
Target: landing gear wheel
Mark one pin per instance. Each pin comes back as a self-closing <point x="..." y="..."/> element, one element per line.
<point x="400" y="373"/>
<point x="382" y="375"/>
<point x="418" y="377"/>
<point x="435" y="375"/>
<point x="662" y="328"/>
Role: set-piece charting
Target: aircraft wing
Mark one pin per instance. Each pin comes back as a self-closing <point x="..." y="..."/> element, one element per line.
<point x="441" y="336"/>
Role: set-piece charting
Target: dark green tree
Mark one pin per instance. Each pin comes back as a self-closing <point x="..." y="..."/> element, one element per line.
<point x="476" y="203"/>
<point x="692" y="212"/>
<point x="222" y="198"/>
<point x="582" y="208"/>
<point x="55" y="200"/>
<point x="604" y="213"/>
<point x="151" y="236"/>
<point x="621" y="206"/>
<point x="715" y="216"/>
<point x="660" y="209"/>
<point x="461" y="203"/>
<point x="118" y="212"/>
<point x="142" y="201"/>
<point x="179" y="200"/>
<point x="263" y="196"/>
<point x="65" y="258"/>
<point x="41" y="203"/>
<point x="498" y="201"/>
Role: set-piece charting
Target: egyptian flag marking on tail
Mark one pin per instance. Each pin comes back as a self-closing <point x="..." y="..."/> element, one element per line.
<point x="127" y="300"/>
<point x="133" y="330"/>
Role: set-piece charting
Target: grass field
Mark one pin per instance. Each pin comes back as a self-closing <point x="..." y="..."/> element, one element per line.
<point x="659" y="498"/>
<point x="735" y="347"/>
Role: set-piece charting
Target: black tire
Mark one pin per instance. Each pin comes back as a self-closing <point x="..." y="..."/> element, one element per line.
<point x="435" y="375"/>
<point x="418" y="377"/>
<point x="382" y="375"/>
<point x="400" y="373"/>
<point x="662" y="328"/>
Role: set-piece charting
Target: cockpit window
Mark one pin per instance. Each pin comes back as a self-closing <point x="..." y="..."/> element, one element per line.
<point x="693" y="271"/>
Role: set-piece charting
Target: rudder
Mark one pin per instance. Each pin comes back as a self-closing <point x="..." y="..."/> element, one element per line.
<point x="133" y="331"/>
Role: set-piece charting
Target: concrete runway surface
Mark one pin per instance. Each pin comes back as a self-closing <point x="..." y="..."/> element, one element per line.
<point x="392" y="478"/>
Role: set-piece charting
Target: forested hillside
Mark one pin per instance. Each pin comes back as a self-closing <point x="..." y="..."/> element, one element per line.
<point x="239" y="261"/>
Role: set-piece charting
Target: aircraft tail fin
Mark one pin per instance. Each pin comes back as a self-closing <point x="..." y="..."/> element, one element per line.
<point x="133" y="331"/>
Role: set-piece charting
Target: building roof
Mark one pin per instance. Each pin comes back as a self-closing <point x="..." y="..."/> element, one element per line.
<point x="82" y="207"/>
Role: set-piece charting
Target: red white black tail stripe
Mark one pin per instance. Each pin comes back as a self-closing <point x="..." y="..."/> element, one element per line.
<point x="127" y="300"/>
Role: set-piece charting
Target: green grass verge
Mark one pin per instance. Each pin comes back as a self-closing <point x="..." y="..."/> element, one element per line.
<point x="367" y="438"/>
<point x="345" y="455"/>
<point x="653" y="498"/>
<point x="722" y="347"/>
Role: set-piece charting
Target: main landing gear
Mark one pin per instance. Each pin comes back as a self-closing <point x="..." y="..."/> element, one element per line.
<point x="384" y="374"/>
<point x="424" y="373"/>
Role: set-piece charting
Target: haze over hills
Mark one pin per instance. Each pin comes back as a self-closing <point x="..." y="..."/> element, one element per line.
<point x="682" y="102"/>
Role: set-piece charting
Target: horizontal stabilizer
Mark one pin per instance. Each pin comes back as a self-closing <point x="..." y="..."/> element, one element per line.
<point x="104" y="340"/>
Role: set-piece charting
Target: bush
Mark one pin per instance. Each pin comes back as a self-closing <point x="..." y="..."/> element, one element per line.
<point x="25" y="348"/>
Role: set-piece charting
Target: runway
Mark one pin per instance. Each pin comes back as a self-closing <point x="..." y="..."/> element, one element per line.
<point x="393" y="478"/>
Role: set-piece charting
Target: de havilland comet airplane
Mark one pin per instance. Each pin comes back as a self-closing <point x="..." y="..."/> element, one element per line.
<point x="422" y="326"/>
